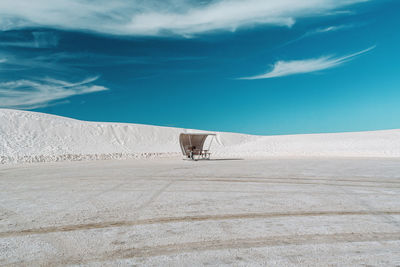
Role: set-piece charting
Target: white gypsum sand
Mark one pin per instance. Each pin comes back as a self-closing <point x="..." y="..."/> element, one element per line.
<point x="262" y="200"/>
<point x="171" y="212"/>
<point x="29" y="136"/>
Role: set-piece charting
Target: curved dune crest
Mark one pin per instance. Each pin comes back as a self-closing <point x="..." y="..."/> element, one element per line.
<point x="30" y="136"/>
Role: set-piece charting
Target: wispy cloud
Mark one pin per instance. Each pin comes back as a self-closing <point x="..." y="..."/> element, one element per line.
<point x="286" y="68"/>
<point x="45" y="39"/>
<point x="83" y="59"/>
<point x="156" y="17"/>
<point x="37" y="39"/>
<point x="30" y="94"/>
<point x="2" y="60"/>
<point x="320" y="31"/>
<point x="331" y="29"/>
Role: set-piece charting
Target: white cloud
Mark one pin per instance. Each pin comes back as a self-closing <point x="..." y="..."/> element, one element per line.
<point x="160" y="17"/>
<point x="321" y="31"/>
<point x="39" y="39"/>
<point x="286" y="68"/>
<point x="45" y="39"/>
<point x="2" y="60"/>
<point x="332" y="29"/>
<point x="30" y="94"/>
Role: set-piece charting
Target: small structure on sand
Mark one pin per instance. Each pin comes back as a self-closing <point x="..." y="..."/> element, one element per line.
<point x="192" y="145"/>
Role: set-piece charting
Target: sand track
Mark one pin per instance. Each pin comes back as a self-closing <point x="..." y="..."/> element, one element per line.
<point x="358" y="183"/>
<point x="90" y="226"/>
<point x="215" y="245"/>
<point x="256" y="242"/>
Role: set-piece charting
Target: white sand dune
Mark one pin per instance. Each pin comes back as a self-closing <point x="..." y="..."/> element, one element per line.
<point x="30" y="137"/>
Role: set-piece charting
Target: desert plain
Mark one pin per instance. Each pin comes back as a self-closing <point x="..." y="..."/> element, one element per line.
<point x="282" y="211"/>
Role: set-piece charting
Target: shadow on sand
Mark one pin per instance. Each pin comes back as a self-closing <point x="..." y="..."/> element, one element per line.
<point x="219" y="159"/>
<point x="224" y="159"/>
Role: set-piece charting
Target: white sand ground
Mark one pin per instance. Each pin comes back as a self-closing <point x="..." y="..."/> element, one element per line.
<point x="33" y="137"/>
<point x="170" y="212"/>
<point x="321" y="199"/>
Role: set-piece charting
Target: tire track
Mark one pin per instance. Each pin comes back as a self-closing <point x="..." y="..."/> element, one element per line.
<point x="327" y="179"/>
<point x="199" y="218"/>
<point x="213" y="245"/>
<point x="251" y="243"/>
<point x="281" y="181"/>
<point x="305" y="181"/>
<point x="155" y="196"/>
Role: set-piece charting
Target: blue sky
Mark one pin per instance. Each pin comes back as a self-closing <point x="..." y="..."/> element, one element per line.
<point x="258" y="67"/>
